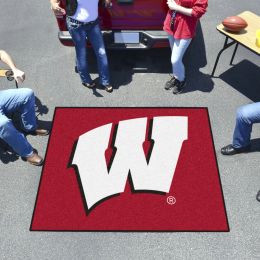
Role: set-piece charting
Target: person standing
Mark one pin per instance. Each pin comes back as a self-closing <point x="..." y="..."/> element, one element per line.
<point x="180" y="24"/>
<point x="83" y="24"/>
<point x="19" y="102"/>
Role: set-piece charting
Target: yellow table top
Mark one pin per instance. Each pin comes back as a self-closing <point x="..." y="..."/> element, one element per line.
<point x="2" y="72"/>
<point x="246" y="37"/>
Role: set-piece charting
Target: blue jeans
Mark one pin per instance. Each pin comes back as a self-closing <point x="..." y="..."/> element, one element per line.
<point x="19" y="102"/>
<point x="246" y="116"/>
<point x="179" y="47"/>
<point x="80" y="33"/>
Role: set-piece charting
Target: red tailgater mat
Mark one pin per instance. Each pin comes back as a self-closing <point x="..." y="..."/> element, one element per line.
<point x="130" y="169"/>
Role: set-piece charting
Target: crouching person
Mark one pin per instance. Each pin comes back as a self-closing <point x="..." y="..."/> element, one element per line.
<point x="21" y="103"/>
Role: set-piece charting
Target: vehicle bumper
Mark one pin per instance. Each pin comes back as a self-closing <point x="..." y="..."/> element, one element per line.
<point x="147" y="40"/>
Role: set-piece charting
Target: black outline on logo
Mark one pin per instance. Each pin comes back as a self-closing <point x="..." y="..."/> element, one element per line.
<point x="130" y="180"/>
<point x="149" y="139"/>
<point x="112" y="146"/>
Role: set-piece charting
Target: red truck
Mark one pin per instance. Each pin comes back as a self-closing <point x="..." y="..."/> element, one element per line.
<point x="134" y="24"/>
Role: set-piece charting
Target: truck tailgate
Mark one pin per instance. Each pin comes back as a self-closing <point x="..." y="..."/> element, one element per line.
<point x="133" y="14"/>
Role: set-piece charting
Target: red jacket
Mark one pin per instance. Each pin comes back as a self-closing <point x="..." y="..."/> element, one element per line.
<point x="185" y="26"/>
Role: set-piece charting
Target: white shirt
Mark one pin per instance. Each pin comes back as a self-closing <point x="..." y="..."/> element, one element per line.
<point x="87" y="11"/>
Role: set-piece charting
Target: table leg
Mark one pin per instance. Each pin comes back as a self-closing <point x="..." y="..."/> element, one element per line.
<point x="233" y="56"/>
<point x="226" y="45"/>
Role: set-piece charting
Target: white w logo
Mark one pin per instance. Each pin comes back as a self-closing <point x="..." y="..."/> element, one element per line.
<point x="168" y="134"/>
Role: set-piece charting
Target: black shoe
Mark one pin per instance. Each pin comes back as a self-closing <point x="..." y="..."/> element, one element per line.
<point x="230" y="150"/>
<point x="89" y="85"/>
<point x="258" y="196"/>
<point x="170" y="84"/>
<point x="178" y="86"/>
<point x="34" y="159"/>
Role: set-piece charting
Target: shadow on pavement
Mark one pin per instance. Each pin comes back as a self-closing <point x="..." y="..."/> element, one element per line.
<point x="124" y="63"/>
<point x="194" y="59"/>
<point x="6" y="154"/>
<point x="244" y="77"/>
<point x="44" y="124"/>
<point x="255" y="145"/>
<point x="40" y="109"/>
<point x="94" y="90"/>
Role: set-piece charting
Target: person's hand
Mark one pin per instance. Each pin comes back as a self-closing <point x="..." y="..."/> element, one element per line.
<point x="172" y="5"/>
<point x="18" y="75"/>
<point x="55" y="6"/>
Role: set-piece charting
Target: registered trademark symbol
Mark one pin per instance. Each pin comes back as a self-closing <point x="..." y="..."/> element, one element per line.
<point x="171" y="200"/>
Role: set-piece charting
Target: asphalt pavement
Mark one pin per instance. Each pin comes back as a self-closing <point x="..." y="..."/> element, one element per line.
<point x="28" y="31"/>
